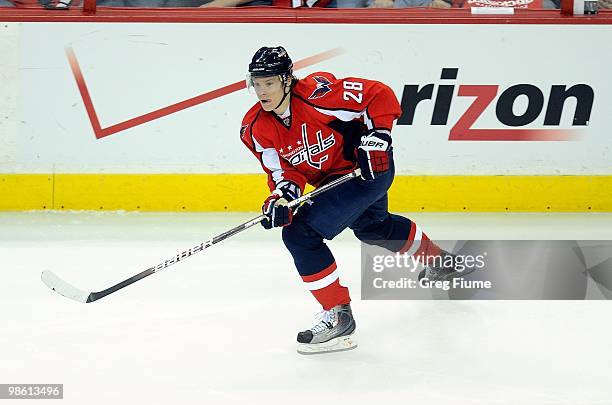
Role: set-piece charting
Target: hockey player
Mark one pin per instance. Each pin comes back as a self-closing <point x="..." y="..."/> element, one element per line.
<point x="314" y="130"/>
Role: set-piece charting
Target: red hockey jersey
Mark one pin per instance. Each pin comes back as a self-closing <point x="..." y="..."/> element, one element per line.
<point x="307" y="146"/>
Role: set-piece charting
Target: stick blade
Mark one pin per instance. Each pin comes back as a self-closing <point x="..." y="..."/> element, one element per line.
<point x="61" y="287"/>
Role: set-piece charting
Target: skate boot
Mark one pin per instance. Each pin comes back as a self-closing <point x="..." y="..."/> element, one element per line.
<point x="333" y="333"/>
<point x="444" y="269"/>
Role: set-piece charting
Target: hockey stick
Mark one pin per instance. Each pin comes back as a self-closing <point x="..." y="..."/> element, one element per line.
<point x="67" y="290"/>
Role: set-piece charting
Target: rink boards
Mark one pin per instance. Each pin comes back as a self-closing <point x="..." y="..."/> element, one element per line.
<point x="147" y="116"/>
<point x="244" y="192"/>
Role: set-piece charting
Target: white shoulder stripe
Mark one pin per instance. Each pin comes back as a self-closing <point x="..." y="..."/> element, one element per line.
<point x="343" y="115"/>
<point x="271" y="160"/>
<point x="367" y="120"/>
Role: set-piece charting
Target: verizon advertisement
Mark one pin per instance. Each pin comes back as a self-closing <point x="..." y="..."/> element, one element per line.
<point x="171" y="97"/>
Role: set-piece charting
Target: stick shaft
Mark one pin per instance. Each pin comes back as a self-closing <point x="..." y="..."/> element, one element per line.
<point x="219" y="238"/>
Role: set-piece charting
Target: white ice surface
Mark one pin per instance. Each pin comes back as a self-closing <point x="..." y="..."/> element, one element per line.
<point x="220" y="327"/>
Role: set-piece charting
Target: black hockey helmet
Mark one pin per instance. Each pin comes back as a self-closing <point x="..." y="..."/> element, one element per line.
<point x="271" y="61"/>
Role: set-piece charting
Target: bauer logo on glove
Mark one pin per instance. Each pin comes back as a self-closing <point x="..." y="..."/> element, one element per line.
<point x="373" y="154"/>
<point x="373" y="145"/>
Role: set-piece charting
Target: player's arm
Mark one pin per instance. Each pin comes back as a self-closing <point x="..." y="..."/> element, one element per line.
<point x="374" y="103"/>
<point x="281" y="175"/>
<point x="284" y="181"/>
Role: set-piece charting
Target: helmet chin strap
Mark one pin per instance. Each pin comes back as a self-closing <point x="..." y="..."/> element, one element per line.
<point x="285" y="96"/>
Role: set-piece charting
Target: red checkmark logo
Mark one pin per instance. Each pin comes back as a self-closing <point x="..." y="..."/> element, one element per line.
<point x="173" y="108"/>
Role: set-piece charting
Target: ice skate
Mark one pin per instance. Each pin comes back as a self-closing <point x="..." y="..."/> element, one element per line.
<point x="333" y="333"/>
<point x="444" y="269"/>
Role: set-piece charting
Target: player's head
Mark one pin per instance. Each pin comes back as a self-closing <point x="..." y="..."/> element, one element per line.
<point x="271" y="76"/>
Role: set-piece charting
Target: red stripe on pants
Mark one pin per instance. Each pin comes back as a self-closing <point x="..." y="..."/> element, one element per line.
<point x="428" y="250"/>
<point x="332" y="294"/>
<point x="410" y="239"/>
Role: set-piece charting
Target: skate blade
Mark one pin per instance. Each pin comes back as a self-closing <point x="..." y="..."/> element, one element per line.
<point x="451" y="276"/>
<point x="338" y="344"/>
<point x="459" y="274"/>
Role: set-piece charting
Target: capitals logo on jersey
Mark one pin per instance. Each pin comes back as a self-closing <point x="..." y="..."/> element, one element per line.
<point x="309" y="152"/>
<point x="322" y="87"/>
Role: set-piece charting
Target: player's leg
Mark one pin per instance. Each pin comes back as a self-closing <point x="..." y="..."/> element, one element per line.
<point x="324" y="218"/>
<point x="376" y="226"/>
<point x="314" y="262"/>
<point x="332" y="212"/>
<point x="317" y="267"/>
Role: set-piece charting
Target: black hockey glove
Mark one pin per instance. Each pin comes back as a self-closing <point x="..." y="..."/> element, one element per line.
<point x="373" y="154"/>
<point x="275" y="206"/>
